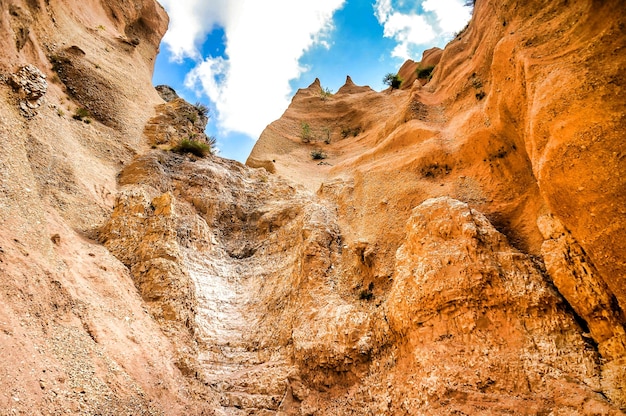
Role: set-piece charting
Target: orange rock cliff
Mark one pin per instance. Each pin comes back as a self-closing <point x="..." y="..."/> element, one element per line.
<point x="457" y="248"/>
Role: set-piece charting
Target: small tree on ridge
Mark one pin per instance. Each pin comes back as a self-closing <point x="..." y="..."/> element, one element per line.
<point x="393" y="80"/>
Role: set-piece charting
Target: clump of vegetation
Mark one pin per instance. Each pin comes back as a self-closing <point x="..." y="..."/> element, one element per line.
<point x="325" y="93"/>
<point x="305" y="132"/>
<point x="318" y="155"/>
<point x="202" y="109"/>
<point x="350" y="131"/>
<point x="425" y="73"/>
<point x="191" y="116"/>
<point x="393" y="80"/>
<point x="195" y="147"/>
<point x="81" y="114"/>
<point x="480" y="95"/>
<point x="476" y="82"/>
<point x="326" y="132"/>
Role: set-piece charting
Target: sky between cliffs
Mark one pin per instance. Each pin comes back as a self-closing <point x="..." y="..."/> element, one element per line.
<point x="245" y="59"/>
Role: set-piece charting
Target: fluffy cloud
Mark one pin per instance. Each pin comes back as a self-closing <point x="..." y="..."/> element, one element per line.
<point x="411" y="29"/>
<point x="190" y="22"/>
<point x="407" y="29"/>
<point x="452" y="15"/>
<point x="264" y="41"/>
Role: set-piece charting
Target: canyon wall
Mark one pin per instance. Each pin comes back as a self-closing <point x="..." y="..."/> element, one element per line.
<point x="457" y="251"/>
<point x="522" y="120"/>
<point x="76" y="94"/>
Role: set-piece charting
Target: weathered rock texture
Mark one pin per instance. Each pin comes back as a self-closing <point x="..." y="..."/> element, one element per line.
<point x="76" y="335"/>
<point x="458" y="252"/>
<point x="523" y="120"/>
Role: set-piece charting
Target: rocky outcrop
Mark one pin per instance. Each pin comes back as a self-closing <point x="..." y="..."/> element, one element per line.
<point x="577" y="279"/>
<point x="411" y="71"/>
<point x="142" y="234"/>
<point x="31" y="85"/>
<point x="231" y="254"/>
<point x="167" y="93"/>
<point x="477" y="318"/>
<point x="177" y="120"/>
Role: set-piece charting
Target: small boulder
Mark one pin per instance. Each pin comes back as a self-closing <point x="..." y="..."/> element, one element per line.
<point x="31" y="85"/>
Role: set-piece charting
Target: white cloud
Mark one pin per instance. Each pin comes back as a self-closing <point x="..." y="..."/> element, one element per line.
<point x="411" y="29"/>
<point x="382" y="10"/>
<point x="408" y="29"/>
<point x="264" y="41"/>
<point x="190" y="22"/>
<point x="208" y="74"/>
<point x="452" y="15"/>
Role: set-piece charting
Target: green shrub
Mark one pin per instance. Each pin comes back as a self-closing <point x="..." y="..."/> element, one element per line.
<point x="202" y="109"/>
<point x="195" y="147"/>
<point x="350" y="131"/>
<point x="193" y="117"/>
<point x="81" y="114"/>
<point x="305" y="132"/>
<point x="325" y="93"/>
<point x="318" y="155"/>
<point x="425" y="73"/>
<point x="326" y="132"/>
<point x="393" y="80"/>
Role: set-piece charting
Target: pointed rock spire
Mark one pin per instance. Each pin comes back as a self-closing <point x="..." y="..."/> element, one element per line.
<point x="350" y="87"/>
<point x="315" y="85"/>
<point x="314" y="88"/>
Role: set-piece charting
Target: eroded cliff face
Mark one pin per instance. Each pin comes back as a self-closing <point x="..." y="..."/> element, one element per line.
<point x="522" y="120"/>
<point x="452" y="255"/>
<point x="76" y="336"/>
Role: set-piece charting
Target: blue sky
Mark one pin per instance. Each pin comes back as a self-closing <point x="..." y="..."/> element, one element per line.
<point x="245" y="59"/>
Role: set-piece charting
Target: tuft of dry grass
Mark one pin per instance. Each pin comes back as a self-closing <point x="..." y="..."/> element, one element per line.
<point x="194" y="147"/>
